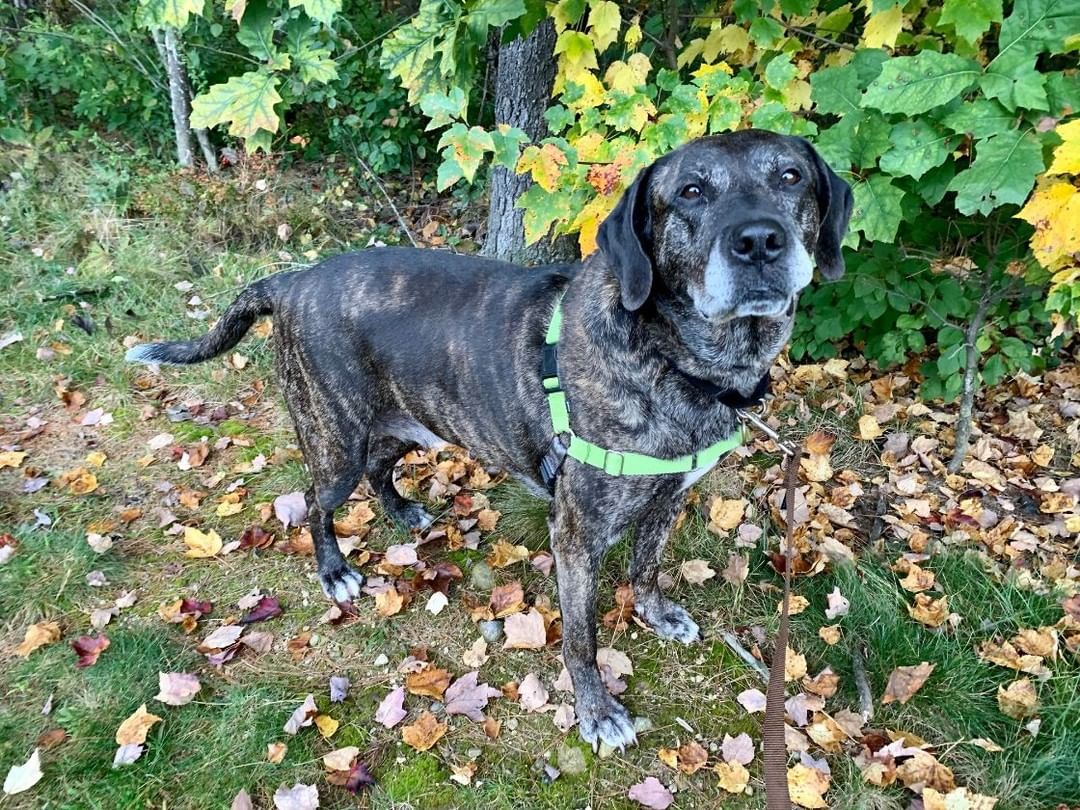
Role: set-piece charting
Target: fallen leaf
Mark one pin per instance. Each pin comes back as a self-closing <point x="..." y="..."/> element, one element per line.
<point x="503" y="554"/>
<point x="266" y="608"/>
<point x="403" y="555"/>
<point x="12" y="458"/>
<point x="326" y="725"/>
<point x="424" y="733"/>
<point x="652" y="794"/>
<point x="298" y="797"/>
<point x="869" y="429"/>
<point x="354" y="780"/>
<point x="430" y="682"/>
<point x="736" y="570"/>
<point x="564" y="718"/>
<point x="303" y="716"/>
<point x="290" y="509"/>
<point x="468" y="697"/>
<point x="21" y="778"/>
<point x="339" y="688"/>
<point x="389" y="602"/>
<point x="929" y="611"/>
<point x="242" y="801"/>
<point x="436" y="602"/>
<point x="794" y="665"/>
<point x="737" y="749"/>
<point x="956" y="799"/>
<point x="733" y="776"/>
<point x="463" y="774"/>
<point x="38" y="635"/>
<point x="88" y="648"/>
<point x="753" y="700"/>
<point x="391" y="709"/>
<point x="917" y="579"/>
<point x="525" y="631"/>
<point x="838" y="605"/>
<point x="830" y="634"/>
<point x="477" y="655"/>
<point x="341" y="759"/>
<point x="696" y="572"/>
<point x="201" y="544"/>
<point x="532" y="696"/>
<point x="904" y="682"/>
<point x="825" y="683"/>
<point x="796" y="605"/>
<point x="507" y="599"/>
<point x="807" y="786"/>
<point x="127" y="754"/>
<point x="177" y="688"/>
<point x="224" y="636"/>
<point x="725" y="515"/>
<point x="133" y="731"/>
<point x="923" y="770"/>
<point x="1019" y="699"/>
<point x="275" y="752"/>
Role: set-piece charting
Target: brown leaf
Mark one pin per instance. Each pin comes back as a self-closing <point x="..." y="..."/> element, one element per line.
<point x="424" y="733"/>
<point x="388" y="602"/>
<point x="430" y="682"/>
<point x="525" y="631"/>
<point x="696" y="572"/>
<point x="725" y="515"/>
<point x="917" y="579"/>
<point x="88" y="648"/>
<point x="825" y="683"/>
<point x="275" y="752"/>
<point x="1019" y="699"/>
<point x="923" y="771"/>
<point x="504" y="554"/>
<point x="904" y="682"/>
<point x="928" y="611"/>
<point x="298" y="647"/>
<point x="38" y="635"/>
<point x="507" y="599"/>
<point x="133" y="730"/>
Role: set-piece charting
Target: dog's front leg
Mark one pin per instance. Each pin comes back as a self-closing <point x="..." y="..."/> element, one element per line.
<point x="667" y="618"/>
<point x="579" y="545"/>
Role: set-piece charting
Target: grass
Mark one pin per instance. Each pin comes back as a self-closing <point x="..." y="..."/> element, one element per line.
<point x="119" y="242"/>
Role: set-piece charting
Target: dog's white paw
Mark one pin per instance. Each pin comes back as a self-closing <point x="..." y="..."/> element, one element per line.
<point x="669" y="620"/>
<point x="413" y="516"/>
<point x="342" y="584"/>
<point x="605" y="720"/>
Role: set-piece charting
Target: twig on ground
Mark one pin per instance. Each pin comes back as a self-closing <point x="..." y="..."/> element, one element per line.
<point x="759" y="668"/>
<point x="866" y="697"/>
<point x="375" y="179"/>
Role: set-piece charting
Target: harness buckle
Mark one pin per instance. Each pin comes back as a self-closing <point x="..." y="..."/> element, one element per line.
<point x="549" y="360"/>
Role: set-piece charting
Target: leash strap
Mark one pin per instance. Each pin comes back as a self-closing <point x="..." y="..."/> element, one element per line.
<point x="772" y="732"/>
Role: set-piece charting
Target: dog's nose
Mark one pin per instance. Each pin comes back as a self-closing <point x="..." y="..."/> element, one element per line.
<point x="759" y="241"/>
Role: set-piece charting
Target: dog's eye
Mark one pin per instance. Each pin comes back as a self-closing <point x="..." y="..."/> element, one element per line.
<point x="791" y="177"/>
<point x="690" y="192"/>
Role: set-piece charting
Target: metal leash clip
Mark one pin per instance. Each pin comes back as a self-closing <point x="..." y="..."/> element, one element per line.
<point x="753" y="420"/>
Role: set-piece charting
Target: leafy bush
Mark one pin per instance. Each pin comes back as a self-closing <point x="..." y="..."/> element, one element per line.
<point x="941" y="117"/>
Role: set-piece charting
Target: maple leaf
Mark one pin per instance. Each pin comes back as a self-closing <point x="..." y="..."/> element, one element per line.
<point x="532" y="696"/>
<point x="201" y="544"/>
<point x="507" y="599"/>
<point x="504" y="554"/>
<point x="391" y="709"/>
<point x="737" y="749"/>
<point x="929" y="611"/>
<point x="725" y="515"/>
<point x="696" y="572"/>
<point x="468" y="697"/>
<point x="807" y="786"/>
<point x="177" y="688"/>
<point x="88" y="648"/>
<point x="389" y="602"/>
<point x="424" y="733"/>
<point x="1019" y="699"/>
<point x="904" y="682"/>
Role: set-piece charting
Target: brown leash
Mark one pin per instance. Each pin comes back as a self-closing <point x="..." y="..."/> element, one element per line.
<point x="772" y="733"/>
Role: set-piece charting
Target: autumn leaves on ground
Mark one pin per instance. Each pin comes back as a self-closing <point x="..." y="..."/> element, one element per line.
<point x="165" y="641"/>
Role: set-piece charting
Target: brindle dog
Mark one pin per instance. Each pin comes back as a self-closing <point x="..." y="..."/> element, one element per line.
<point x="696" y="278"/>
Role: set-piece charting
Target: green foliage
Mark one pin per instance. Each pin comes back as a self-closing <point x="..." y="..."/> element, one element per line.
<point x="941" y="118"/>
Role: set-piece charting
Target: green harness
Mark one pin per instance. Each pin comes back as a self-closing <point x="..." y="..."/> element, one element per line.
<point x="615" y="462"/>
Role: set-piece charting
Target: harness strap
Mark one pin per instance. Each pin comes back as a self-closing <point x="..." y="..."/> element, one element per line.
<point x="616" y="462"/>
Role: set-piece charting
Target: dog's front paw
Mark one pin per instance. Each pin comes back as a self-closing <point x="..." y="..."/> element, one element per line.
<point x="606" y="720"/>
<point x="669" y="620"/>
<point x="341" y="583"/>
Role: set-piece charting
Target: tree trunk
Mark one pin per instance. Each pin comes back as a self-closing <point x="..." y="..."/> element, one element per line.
<point x="178" y="97"/>
<point x="971" y="383"/>
<point x="523" y="85"/>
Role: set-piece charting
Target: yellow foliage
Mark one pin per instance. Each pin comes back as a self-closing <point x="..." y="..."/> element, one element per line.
<point x="1067" y="156"/>
<point x="883" y="28"/>
<point x="544" y="163"/>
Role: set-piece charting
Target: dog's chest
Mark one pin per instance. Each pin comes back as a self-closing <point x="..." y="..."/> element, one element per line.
<point x="691" y="478"/>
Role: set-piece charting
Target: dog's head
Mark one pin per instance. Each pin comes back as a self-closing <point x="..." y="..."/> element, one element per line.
<point x="729" y="224"/>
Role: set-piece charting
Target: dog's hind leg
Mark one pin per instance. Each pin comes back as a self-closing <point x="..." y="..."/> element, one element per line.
<point x="383" y="453"/>
<point x="667" y="618"/>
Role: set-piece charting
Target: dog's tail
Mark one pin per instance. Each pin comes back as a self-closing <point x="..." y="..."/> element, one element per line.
<point x="255" y="301"/>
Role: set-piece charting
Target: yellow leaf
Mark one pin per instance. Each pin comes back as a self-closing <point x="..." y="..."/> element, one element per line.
<point x="725" y="515"/>
<point x="38" y="635"/>
<point x="627" y="76"/>
<point x="201" y="544"/>
<point x="133" y="730"/>
<point x="96" y="458"/>
<point x="1054" y="210"/>
<point x="794" y="665"/>
<point x="424" y="733"/>
<point x="588" y="221"/>
<point x="327" y="725"/>
<point x="604" y="23"/>
<point x="1067" y="156"/>
<point x="929" y="611"/>
<point x="632" y="37"/>
<point x="275" y="752"/>
<point x="830" y="634"/>
<point x="807" y="786"/>
<point x="733" y="776"/>
<point x="731" y="40"/>
<point x="869" y="429"/>
<point x="11" y="458"/>
<point x="543" y="163"/>
<point x="883" y="28"/>
<point x="1019" y="699"/>
<point x="956" y="799"/>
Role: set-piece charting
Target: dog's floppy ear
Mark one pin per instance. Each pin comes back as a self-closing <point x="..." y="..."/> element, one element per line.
<point x="625" y="238"/>
<point x="834" y="201"/>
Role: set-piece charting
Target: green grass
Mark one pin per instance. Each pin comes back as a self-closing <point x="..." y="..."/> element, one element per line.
<point x="129" y="237"/>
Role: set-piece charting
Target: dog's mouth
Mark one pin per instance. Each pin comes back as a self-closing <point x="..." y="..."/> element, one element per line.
<point x="764" y="304"/>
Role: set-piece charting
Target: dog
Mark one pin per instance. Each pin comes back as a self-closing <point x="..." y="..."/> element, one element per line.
<point x="688" y="300"/>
